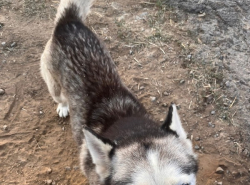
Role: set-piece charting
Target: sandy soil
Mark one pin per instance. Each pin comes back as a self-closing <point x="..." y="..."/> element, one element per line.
<point x="36" y="146"/>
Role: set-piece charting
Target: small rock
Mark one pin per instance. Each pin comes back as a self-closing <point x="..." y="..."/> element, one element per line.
<point x="3" y="43"/>
<point x="165" y="93"/>
<point x="197" y="139"/>
<point x="142" y="87"/>
<point x="182" y="81"/>
<point x="212" y="112"/>
<point x="49" y="182"/>
<point x="211" y="125"/>
<point x="246" y="152"/>
<point x="2" y="91"/>
<point x="152" y="98"/>
<point x="162" y="119"/>
<point x="5" y="127"/>
<point x="48" y="171"/>
<point x="41" y="112"/>
<point x="67" y="168"/>
<point x="227" y="83"/>
<point x="178" y="107"/>
<point x="13" y="44"/>
<point x="189" y="57"/>
<point x="191" y="137"/>
<point x="225" y="104"/>
<point x="219" y="183"/>
<point x="76" y="167"/>
<point x="243" y="82"/>
<point x="203" y="14"/>
<point x="234" y="173"/>
<point x="165" y="105"/>
<point x="196" y="147"/>
<point x="219" y="170"/>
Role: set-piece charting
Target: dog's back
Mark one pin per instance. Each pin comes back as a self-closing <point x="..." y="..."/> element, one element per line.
<point x="119" y="143"/>
<point x="87" y="76"/>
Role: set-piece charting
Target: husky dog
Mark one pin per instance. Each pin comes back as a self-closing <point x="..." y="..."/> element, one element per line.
<point x="119" y="143"/>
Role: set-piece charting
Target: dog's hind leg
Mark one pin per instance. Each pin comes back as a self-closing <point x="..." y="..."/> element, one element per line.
<point x="53" y="85"/>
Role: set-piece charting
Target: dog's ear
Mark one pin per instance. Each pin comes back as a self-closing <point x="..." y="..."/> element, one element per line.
<point x="99" y="149"/>
<point x="173" y="122"/>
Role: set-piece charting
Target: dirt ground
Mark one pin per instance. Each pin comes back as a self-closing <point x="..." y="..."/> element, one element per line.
<point x="152" y="53"/>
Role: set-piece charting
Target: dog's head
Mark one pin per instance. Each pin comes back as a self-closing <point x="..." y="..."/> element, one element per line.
<point x="163" y="158"/>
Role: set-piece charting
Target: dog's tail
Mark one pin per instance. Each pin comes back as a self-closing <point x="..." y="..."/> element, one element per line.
<point x="73" y="9"/>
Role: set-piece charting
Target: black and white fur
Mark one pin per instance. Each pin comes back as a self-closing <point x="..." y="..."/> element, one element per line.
<point x="118" y="142"/>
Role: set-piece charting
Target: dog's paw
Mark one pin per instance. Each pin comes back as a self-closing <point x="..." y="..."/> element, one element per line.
<point x="62" y="111"/>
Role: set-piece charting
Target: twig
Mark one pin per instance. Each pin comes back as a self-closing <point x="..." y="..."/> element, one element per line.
<point x="157" y="46"/>
<point x="233" y="102"/>
<point x="94" y="30"/>
<point x="137" y="61"/>
<point x="162" y="50"/>
<point x="147" y="3"/>
<point x="190" y="104"/>
<point x="234" y="114"/>
<point x="38" y="145"/>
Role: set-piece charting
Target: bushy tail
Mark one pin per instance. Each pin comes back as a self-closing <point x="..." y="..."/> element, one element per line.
<point x="80" y="8"/>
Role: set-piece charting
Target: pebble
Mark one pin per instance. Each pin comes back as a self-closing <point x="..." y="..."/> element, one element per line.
<point x="49" y="170"/>
<point x="49" y="182"/>
<point x="76" y="167"/>
<point x="227" y="83"/>
<point x="13" y="44"/>
<point x="197" y="139"/>
<point x="3" y="43"/>
<point x="191" y="137"/>
<point x="189" y="57"/>
<point x="162" y="119"/>
<point x="5" y="127"/>
<point x="41" y="112"/>
<point x="235" y="173"/>
<point x="152" y="98"/>
<point x="212" y="112"/>
<point x="246" y="152"/>
<point x="67" y="168"/>
<point x="142" y="87"/>
<point x="211" y="125"/>
<point x="196" y="147"/>
<point x="182" y="81"/>
<point x="165" y="105"/>
<point x="218" y="183"/>
<point x="2" y="91"/>
<point x="165" y="93"/>
<point x="219" y="170"/>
